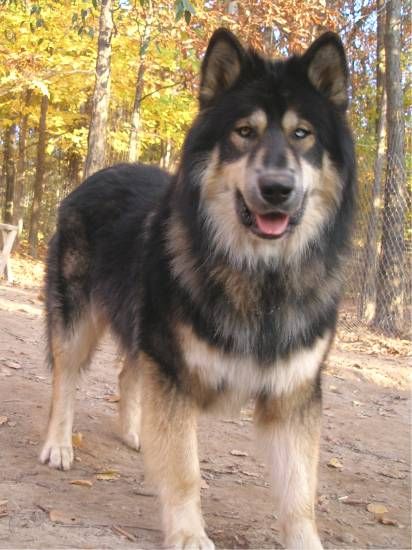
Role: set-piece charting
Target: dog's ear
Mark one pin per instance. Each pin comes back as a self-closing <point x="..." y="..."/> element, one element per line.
<point x="327" y="68"/>
<point x="221" y="66"/>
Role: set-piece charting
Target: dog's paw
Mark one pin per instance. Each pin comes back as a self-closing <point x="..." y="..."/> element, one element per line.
<point x="132" y="440"/>
<point x="189" y="541"/>
<point x="57" y="456"/>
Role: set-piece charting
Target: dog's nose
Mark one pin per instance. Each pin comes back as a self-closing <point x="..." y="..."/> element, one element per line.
<point x="276" y="188"/>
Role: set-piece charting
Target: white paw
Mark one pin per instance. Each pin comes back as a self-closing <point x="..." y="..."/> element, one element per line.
<point x="57" y="456"/>
<point x="189" y="541"/>
<point x="132" y="440"/>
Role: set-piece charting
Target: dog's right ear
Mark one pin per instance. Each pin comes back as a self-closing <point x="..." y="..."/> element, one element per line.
<point x="221" y="66"/>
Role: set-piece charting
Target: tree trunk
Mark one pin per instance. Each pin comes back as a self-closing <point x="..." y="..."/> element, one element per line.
<point x="391" y="271"/>
<point x="136" y="117"/>
<point x="96" y="145"/>
<point x="10" y="172"/>
<point x="367" y="302"/>
<point x="38" y="181"/>
<point x="21" y="169"/>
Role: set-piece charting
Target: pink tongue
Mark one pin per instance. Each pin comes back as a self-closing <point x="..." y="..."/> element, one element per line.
<point x="272" y="224"/>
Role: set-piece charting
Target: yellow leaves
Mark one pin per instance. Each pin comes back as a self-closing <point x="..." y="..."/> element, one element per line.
<point x="77" y="440"/>
<point x="377" y="508"/>
<point x="380" y="511"/>
<point x="108" y="475"/>
<point x="335" y="463"/>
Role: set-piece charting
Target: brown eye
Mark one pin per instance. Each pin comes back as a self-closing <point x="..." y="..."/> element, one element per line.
<point x="301" y="133"/>
<point x="246" y="132"/>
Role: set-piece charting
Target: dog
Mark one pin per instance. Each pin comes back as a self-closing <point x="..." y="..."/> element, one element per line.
<point x="221" y="283"/>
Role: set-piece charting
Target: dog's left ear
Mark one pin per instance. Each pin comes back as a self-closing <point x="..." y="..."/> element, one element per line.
<point x="221" y="66"/>
<point x="327" y="68"/>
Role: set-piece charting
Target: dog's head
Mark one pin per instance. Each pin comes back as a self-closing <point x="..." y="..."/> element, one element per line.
<point x="270" y="150"/>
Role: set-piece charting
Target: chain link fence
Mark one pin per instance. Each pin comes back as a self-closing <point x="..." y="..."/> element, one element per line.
<point x="378" y="287"/>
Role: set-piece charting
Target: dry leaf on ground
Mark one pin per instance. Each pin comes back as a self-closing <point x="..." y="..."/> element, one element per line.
<point x="3" y="420"/>
<point x="77" y="440"/>
<point x="235" y="452"/>
<point x="12" y="364"/>
<point x="108" y="475"/>
<point x="385" y="520"/>
<point x="81" y="482"/>
<point x="335" y="463"/>
<point x="112" y="398"/>
<point x="56" y="516"/>
<point x="377" y="508"/>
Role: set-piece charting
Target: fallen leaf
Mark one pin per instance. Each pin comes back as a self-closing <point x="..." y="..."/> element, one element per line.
<point x="12" y="364"/>
<point x="235" y="452"/>
<point x="108" y="475"/>
<point x="249" y="474"/>
<point x="3" y="420"/>
<point x="56" y="516"/>
<point x="112" y="398"/>
<point x="81" y="482"/>
<point x="77" y="440"/>
<point x="385" y="520"/>
<point x="377" y="508"/>
<point x="335" y="463"/>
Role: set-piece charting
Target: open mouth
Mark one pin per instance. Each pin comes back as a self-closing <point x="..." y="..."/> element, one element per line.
<point x="267" y="226"/>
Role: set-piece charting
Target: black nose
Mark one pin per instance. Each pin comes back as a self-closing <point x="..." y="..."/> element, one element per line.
<point x="276" y="188"/>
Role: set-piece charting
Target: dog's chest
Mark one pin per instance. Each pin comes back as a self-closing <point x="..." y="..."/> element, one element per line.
<point x="243" y="375"/>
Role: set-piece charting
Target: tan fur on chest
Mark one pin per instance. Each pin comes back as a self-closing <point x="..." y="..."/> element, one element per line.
<point x="241" y="378"/>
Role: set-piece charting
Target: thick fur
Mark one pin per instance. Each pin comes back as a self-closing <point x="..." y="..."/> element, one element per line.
<point x="212" y="301"/>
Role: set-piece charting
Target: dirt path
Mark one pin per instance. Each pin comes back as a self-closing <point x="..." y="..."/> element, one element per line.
<point x="365" y="434"/>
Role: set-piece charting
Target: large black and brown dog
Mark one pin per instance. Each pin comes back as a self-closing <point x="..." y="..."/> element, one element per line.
<point x="220" y="283"/>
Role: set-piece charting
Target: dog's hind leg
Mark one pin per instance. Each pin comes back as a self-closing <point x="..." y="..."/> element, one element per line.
<point x="289" y="428"/>
<point x="71" y="350"/>
<point x="130" y="403"/>
<point x="169" y="445"/>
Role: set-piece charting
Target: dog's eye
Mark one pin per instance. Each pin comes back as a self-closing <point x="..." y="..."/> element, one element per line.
<point x="245" y="132"/>
<point x="301" y="133"/>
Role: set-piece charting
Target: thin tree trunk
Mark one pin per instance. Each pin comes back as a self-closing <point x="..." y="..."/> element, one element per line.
<point x="135" y="120"/>
<point x="21" y="168"/>
<point x="391" y="272"/>
<point x="368" y="286"/>
<point x="38" y="181"/>
<point x="10" y="172"/>
<point x="96" y="149"/>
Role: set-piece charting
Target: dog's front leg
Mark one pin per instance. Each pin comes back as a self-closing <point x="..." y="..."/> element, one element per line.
<point x="289" y="428"/>
<point x="169" y="444"/>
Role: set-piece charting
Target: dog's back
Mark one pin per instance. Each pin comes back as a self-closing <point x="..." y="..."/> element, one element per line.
<point x="100" y="225"/>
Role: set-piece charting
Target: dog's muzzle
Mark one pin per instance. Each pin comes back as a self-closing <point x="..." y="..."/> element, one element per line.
<point x="270" y="203"/>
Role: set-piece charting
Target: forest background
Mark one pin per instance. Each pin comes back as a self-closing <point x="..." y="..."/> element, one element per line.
<point x="88" y="83"/>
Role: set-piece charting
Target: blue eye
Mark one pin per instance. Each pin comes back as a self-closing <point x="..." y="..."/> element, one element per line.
<point x="245" y="132"/>
<point x="301" y="133"/>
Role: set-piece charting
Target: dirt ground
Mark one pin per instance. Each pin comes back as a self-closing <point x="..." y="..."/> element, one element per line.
<point x="365" y="452"/>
